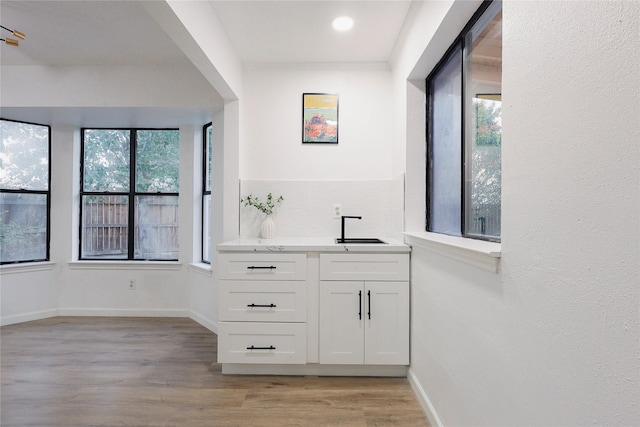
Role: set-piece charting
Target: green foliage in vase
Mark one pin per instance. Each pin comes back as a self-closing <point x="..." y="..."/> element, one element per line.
<point x="267" y="207"/>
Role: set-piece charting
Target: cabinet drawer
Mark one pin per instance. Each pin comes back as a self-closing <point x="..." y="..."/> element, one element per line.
<point x="258" y="266"/>
<point x="256" y="301"/>
<point x="371" y="266"/>
<point x="247" y="342"/>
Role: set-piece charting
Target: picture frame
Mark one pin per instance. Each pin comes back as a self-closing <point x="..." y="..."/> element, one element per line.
<point x="320" y="118"/>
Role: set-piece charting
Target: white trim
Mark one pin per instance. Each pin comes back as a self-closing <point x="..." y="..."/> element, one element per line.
<point x="123" y="312"/>
<point x="423" y="399"/>
<point x="28" y="317"/>
<point x="124" y="265"/>
<point x="27" y="267"/>
<point x="479" y="253"/>
<point x="209" y="324"/>
<point x="316" y="370"/>
<point x="201" y="268"/>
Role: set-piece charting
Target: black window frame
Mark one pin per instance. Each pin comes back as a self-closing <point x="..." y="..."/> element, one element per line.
<point x="131" y="194"/>
<point x="458" y="46"/>
<point x="206" y="189"/>
<point x="46" y="193"/>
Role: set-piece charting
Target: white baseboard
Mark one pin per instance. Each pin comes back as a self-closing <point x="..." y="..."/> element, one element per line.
<point x="423" y="399"/>
<point x="210" y="325"/>
<point x="123" y="312"/>
<point x="315" y="369"/>
<point x="28" y="317"/>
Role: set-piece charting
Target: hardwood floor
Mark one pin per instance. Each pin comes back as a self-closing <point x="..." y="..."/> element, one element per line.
<point x="91" y="371"/>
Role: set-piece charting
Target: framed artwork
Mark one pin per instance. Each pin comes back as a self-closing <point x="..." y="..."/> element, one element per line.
<point x="319" y="118"/>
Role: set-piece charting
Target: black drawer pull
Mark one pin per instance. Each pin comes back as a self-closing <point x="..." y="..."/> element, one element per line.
<point x="258" y="267"/>
<point x="369" y="295"/>
<point x="261" y="348"/>
<point x="360" y="305"/>
<point x="262" y="305"/>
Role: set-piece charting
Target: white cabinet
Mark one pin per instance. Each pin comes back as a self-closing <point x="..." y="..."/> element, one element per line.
<point x="262" y="308"/>
<point x="305" y="312"/>
<point x="262" y="342"/>
<point x="262" y="266"/>
<point x="364" y="319"/>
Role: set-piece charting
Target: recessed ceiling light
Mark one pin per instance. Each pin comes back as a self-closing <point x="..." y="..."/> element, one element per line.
<point x="342" y="23"/>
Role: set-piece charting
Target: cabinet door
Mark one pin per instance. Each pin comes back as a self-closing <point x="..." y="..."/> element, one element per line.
<point x="387" y="323"/>
<point x="341" y="322"/>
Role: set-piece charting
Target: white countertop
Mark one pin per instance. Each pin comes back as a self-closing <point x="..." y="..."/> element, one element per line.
<point x="310" y="244"/>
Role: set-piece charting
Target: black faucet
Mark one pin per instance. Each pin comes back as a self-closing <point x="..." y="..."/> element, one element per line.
<point x="342" y="225"/>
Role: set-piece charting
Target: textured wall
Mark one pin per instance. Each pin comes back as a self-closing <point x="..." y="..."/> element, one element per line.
<point x="553" y="339"/>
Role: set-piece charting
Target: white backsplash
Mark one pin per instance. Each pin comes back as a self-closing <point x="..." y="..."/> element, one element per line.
<point x="308" y="207"/>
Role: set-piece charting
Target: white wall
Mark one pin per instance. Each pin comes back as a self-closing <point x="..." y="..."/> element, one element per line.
<point x="271" y="114"/>
<point x="203" y="284"/>
<point x="115" y="86"/>
<point x="355" y="173"/>
<point x="308" y="207"/>
<point x="99" y="288"/>
<point x="553" y="338"/>
<point x="194" y="26"/>
<point x="70" y="97"/>
<point x="28" y="295"/>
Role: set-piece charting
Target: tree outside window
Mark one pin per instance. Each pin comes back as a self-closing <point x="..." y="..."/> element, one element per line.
<point x="24" y="192"/>
<point x="121" y="220"/>
<point x="464" y="132"/>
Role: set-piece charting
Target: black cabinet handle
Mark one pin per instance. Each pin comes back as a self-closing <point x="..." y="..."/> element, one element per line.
<point x="369" y="295"/>
<point x="360" y="305"/>
<point x="262" y="305"/>
<point x="259" y="267"/>
<point x="261" y="348"/>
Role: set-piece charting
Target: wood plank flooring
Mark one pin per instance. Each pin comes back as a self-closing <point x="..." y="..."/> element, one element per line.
<point x="93" y="371"/>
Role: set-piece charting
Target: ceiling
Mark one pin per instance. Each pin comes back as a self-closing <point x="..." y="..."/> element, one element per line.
<point x="122" y="32"/>
<point x="94" y="32"/>
<point x="85" y="33"/>
<point x="300" y="31"/>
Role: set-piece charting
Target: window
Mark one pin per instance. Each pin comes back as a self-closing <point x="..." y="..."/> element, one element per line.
<point x="464" y="124"/>
<point x="24" y="192"/>
<point x="207" y="151"/>
<point x="129" y="194"/>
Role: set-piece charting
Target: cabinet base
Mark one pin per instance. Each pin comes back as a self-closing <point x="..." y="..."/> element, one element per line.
<point x="316" y="370"/>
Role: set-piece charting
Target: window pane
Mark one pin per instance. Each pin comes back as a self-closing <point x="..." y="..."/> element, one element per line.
<point x="157" y="161"/>
<point x="483" y="124"/>
<point x="445" y="152"/>
<point x="24" y="156"/>
<point x="156" y="227"/>
<point x="23" y="227"/>
<point x="104" y="227"/>
<point x="208" y="150"/>
<point x="206" y="234"/>
<point x="106" y="160"/>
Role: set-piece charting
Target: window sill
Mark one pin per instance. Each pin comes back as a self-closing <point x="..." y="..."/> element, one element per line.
<point x="27" y="267"/>
<point x="202" y="268"/>
<point x="125" y="265"/>
<point x="479" y="253"/>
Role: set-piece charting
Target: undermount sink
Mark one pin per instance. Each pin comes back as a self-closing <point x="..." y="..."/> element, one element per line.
<point x="359" y="240"/>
